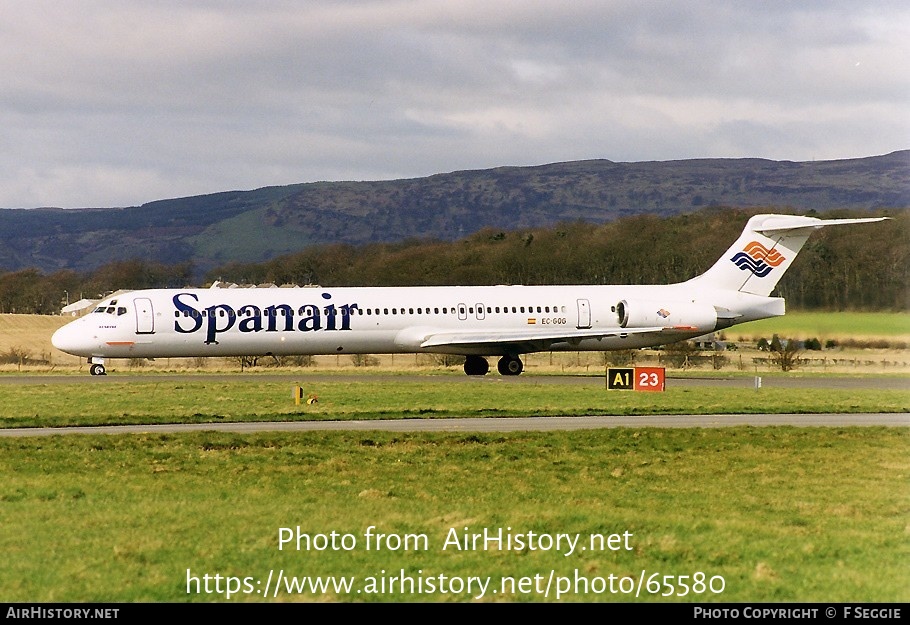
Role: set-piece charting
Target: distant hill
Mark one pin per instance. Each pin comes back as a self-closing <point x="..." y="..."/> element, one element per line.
<point x="246" y="226"/>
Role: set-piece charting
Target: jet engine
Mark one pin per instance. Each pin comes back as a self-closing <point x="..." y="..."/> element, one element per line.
<point x="685" y="316"/>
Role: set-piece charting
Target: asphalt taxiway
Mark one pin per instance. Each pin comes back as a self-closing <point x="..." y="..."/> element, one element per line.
<point x="493" y="424"/>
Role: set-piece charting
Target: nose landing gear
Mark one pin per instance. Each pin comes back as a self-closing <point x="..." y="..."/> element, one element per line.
<point x="96" y="366"/>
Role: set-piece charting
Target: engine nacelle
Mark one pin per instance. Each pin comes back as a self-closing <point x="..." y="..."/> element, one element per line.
<point x="683" y="316"/>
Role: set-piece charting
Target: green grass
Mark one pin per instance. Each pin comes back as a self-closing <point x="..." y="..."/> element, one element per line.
<point x="781" y="514"/>
<point x="247" y="237"/>
<point x="202" y="401"/>
<point x="828" y="325"/>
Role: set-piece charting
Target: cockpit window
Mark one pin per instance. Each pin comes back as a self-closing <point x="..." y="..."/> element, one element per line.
<point x="111" y="308"/>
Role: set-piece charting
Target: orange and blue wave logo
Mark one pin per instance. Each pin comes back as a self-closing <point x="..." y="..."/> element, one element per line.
<point x="758" y="259"/>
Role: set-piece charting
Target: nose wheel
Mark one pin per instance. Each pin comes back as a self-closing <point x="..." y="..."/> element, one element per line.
<point x="97" y="370"/>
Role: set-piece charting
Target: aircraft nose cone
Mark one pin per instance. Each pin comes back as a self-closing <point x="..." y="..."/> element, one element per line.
<point x="60" y="339"/>
<point x="72" y="340"/>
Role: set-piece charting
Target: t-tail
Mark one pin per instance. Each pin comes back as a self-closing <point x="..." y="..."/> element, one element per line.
<point x="764" y="251"/>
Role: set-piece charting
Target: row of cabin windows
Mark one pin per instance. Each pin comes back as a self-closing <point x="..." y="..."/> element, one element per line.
<point x="462" y="309"/>
<point x="344" y="311"/>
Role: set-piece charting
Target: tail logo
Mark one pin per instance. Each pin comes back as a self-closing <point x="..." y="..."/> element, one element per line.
<point x="758" y="259"/>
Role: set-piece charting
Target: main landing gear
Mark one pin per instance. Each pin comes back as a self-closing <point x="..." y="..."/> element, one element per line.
<point x="507" y="365"/>
<point x="97" y="370"/>
<point x="476" y="365"/>
<point x="510" y="365"/>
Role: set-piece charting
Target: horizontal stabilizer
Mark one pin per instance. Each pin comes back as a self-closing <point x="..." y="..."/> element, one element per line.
<point x="791" y="223"/>
<point x="766" y="248"/>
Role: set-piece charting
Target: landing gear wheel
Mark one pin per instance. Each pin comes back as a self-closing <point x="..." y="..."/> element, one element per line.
<point x="509" y="365"/>
<point x="97" y="370"/>
<point x="476" y="365"/>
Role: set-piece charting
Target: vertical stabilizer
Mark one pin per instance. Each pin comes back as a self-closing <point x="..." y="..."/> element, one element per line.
<point x="764" y="251"/>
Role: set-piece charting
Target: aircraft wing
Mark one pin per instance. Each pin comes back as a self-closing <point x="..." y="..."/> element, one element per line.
<point x="529" y="340"/>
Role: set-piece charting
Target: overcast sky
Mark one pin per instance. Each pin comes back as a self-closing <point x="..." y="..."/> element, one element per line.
<point x="123" y="102"/>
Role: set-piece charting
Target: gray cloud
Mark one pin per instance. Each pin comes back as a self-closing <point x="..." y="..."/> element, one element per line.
<point x="107" y="104"/>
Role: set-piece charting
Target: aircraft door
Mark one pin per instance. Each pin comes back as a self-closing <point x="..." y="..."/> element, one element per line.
<point x="145" y="316"/>
<point x="584" y="314"/>
<point x="462" y="312"/>
<point x="480" y="312"/>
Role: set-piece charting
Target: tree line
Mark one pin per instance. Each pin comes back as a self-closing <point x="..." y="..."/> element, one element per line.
<point x="845" y="268"/>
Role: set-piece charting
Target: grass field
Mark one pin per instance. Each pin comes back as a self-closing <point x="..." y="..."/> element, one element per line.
<point x="766" y="514"/>
<point x="780" y="514"/>
<point x="823" y="326"/>
<point x="32" y="333"/>
<point x="214" y="401"/>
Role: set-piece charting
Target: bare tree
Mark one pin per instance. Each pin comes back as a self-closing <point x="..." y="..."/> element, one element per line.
<point x="785" y="353"/>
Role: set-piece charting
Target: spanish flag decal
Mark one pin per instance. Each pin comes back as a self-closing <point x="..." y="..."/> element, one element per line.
<point x="532" y="321"/>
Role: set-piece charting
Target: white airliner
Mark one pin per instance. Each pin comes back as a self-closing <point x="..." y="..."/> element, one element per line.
<point x="476" y="322"/>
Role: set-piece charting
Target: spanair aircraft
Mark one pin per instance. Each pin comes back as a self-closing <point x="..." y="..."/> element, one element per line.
<point x="475" y="322"/>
